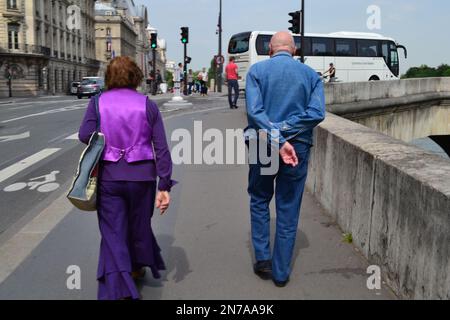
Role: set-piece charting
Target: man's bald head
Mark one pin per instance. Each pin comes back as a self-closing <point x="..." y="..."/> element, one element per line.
<point x="282" y="41"/>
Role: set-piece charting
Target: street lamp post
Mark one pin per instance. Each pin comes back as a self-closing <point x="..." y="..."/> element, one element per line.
<point x="9" y="80"/>
<point x="220" y="65"/>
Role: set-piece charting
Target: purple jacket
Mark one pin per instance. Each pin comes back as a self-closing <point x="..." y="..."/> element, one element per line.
<point x="136" y="146"/>
<point x="127" y="131"/>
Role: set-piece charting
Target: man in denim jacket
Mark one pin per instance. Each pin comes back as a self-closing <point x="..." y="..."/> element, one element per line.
<point x="285" y="97"/>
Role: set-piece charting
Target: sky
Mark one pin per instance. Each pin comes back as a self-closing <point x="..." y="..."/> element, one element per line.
<point x="423" y="26"/>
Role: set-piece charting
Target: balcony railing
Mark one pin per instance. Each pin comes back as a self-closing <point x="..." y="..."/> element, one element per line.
<point x="22" y="48"/>
<point x="92" y="63"/>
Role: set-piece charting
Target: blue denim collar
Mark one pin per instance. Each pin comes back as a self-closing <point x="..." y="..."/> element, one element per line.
<point x="282" y="53"/>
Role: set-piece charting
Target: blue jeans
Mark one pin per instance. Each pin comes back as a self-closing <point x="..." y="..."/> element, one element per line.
<point x="290" y="184"/>
<point x="233" y="85"/>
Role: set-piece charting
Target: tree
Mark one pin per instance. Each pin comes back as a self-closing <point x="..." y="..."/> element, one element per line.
<point x="212" y="72"/>
<point x="169" y="79"/>
<point x="425" y="71"/>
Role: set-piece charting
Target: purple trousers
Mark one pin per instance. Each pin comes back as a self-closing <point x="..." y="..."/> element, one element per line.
<point x="124" y="211"/>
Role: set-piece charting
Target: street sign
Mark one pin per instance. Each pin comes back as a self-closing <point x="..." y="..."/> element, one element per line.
<point x="219" y="60"/>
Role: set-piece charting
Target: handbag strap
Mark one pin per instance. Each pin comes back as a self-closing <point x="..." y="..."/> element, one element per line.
<point x="96" y="99"/>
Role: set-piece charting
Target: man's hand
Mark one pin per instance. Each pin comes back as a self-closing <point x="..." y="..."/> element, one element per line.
<point x="288" y="154"/>
<point x="162" y="201"/>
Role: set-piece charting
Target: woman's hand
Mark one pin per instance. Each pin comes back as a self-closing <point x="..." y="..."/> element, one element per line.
<point x="162" y="201"/>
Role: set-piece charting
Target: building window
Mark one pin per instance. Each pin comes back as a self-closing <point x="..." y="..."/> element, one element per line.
<point x="13" y="36"/>
<point x="11" y="4"/>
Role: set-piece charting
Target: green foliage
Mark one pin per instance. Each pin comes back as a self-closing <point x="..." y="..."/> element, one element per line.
<point x="425" y="71"/>
<point x="169" y="79"/>
<point x="347" y="237"/>
<point x="212" y="71"/>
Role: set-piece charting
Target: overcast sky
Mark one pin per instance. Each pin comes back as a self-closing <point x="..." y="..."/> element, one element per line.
<point x="421" y="25"/>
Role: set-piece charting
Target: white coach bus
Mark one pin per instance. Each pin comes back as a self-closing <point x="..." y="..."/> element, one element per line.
<point x="356" y="56"/>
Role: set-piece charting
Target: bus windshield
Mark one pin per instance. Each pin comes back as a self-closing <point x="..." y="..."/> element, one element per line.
<point x="239" y="43"/>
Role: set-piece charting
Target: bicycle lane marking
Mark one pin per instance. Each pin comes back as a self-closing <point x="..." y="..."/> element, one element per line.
<point x="65" y="109"/>
<point x="26" y="163"/>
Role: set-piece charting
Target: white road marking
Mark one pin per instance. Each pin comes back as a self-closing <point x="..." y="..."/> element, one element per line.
<point x="70" y="108"/>
<point x="194" y="112"/>
<point x="46" y="185"/>
<point x="23" y="105"/>
<point x="15" y="250"/>
<point x="26" y="163"/>
<point x="72" y="137"/>
<point x="15" y="137"/>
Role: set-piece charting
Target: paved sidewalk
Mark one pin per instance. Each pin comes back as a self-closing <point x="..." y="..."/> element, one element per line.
<point x="205" y="241"/>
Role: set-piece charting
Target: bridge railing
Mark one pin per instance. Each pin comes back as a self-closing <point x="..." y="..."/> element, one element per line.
<point x="345" y="93"/>
<point x="392" y="197"/>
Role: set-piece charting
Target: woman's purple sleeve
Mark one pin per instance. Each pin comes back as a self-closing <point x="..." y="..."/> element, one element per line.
<point x="89" y="124"/>
<point x="162" y="152"/>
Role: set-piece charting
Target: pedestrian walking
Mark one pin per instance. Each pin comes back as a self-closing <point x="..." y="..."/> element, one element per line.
<point x="204" y="83"/>
<point x="287" y="97"/>
<point x="232" y="76"/>
<point x="159" y="80"/>
<point x="190" y="81"/>
<point x="199" y="83"/>
<point x="136" y="154"/>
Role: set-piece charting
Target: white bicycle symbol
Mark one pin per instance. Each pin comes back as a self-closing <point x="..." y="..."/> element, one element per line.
<point x="47" y="185"/>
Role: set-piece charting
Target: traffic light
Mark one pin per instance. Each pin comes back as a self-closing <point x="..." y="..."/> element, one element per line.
<point x="184" y="35"/>
<point x="295" y="22"/>
<point x="154" y="40"/>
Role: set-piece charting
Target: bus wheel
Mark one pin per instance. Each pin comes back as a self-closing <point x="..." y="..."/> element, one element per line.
<point x="374" y="78"/>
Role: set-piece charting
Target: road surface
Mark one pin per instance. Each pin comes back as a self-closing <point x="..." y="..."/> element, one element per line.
<point x="205" y="235"/>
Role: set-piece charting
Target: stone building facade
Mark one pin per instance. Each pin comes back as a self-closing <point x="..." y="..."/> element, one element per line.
<point x="122" y="31"/>
<point x="45" y="45"/>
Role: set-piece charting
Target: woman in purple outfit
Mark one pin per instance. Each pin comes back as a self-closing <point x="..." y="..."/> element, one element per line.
<point x="136" y="153"/>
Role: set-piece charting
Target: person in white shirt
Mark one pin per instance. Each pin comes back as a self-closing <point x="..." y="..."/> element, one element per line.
<point x="204" y="82"/>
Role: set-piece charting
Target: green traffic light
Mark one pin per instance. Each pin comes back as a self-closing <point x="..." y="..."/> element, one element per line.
<point x="184" y="40"/>
<point x="153" y="45"/>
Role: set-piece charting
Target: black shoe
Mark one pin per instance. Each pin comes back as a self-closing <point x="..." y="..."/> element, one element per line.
<point x="280" y="284"/>
<point x="263" y="269"/>
<point x="235" y="107"/>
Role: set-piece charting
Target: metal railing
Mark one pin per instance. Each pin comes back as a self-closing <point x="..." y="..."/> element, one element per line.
<point x="22" y="48"/>
<point x="92" y="62"/>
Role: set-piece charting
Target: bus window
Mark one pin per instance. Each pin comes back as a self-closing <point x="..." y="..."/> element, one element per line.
<point x="345" y="47"/>
<point x="368" y="48"/>
<point x="298" y="44"/>
<point x="262" y="44"/>
<point x="322" y="47"/>
<point x="394" y="61"/>
<point x="239" y="43"/>
<point x="385" y="51"/>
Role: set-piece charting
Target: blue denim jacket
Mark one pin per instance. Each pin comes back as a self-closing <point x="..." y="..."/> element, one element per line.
<point x="285" y="95"/>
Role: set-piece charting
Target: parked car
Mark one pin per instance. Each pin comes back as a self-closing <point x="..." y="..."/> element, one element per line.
<point x="90" y="86"/>
<point x="74" y="87"/>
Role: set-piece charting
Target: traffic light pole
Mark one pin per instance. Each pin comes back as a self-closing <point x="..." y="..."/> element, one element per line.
<point x="10" y="86"/>
<point x="302" y="16"/>
<point x="220" y="66"/>
<point x="154" y="89"/>
<point x="185" y="70"/>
